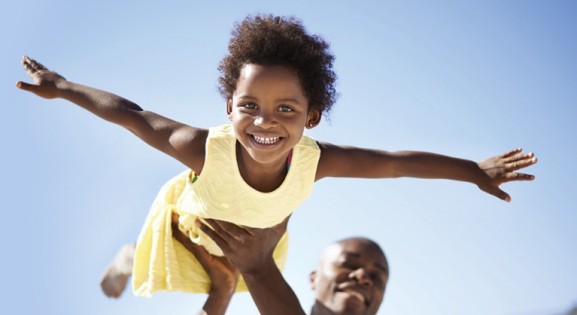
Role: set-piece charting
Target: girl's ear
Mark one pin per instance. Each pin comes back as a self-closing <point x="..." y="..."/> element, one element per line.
<point x="313" y="119"/>
<point x="312" y="278"/>
<point x="229" y="108"/>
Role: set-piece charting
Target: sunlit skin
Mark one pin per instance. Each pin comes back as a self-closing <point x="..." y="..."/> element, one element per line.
<point x="351" y="278"/>
<point x="269" y="108"/>
<point x="273" y="92"/>
<point x="269" y="112"/>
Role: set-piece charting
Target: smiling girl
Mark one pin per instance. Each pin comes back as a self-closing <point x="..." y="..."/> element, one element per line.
<point x="277" y="81"/>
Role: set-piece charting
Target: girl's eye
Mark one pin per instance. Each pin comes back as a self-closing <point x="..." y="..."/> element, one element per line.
<point x="284" y="108"/>
<point x="249" y="105"/>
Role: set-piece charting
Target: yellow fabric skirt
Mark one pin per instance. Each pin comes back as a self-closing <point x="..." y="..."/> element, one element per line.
<point x="161" y="263"/>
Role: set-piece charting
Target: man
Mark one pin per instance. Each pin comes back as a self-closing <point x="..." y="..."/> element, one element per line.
<point x="350" y="278"/>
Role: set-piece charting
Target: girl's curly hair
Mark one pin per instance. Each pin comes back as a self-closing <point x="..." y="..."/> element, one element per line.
<point x="270" y="40"/>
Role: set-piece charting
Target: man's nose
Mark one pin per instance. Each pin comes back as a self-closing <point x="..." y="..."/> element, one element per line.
<point x="362" y="276"/>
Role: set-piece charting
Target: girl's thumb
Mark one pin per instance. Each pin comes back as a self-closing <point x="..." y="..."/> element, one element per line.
<point x="502" y="195"/>
<point x="497" y="192"/>
<point x="25" y="86"/>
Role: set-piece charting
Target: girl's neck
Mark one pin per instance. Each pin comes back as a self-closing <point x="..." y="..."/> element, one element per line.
<point x="262" y="177"/>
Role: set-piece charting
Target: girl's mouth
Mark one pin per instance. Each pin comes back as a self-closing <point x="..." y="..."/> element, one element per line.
<point x="265" y="140"/>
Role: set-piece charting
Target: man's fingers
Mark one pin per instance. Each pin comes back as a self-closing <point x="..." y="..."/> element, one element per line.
<point x="283" y="225"/>
<point x="201" y="254"/>
<point x="229" y="228"/>
<point x="215" y="236"/>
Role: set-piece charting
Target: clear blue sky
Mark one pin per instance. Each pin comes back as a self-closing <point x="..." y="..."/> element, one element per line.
<point x="459" y="78"/>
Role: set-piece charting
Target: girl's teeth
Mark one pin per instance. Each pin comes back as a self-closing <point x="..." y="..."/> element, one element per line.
<point x="266" y="140"/>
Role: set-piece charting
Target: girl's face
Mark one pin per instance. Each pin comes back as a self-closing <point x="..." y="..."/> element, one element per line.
<point x="269" y="112"/>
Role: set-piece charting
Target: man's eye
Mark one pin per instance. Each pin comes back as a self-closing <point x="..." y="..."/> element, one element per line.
<point x="376" y="276"/>
<point x="284" y="108"/>
<point x="349" y="265"/>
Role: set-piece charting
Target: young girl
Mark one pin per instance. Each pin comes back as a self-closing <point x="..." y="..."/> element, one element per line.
<point x="277" y="80"/>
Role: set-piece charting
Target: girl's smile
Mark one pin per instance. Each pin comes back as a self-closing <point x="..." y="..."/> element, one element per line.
<point x="263" y="140"/>
<point x="269" y="112"/>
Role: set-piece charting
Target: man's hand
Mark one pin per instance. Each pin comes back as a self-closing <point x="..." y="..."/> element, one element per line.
<point x="247" y="248"/>
<point x="222" y="273"/>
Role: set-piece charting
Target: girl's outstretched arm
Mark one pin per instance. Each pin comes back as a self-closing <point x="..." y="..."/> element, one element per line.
<point x="339" y="161"/>
<point x="183" y="142"/>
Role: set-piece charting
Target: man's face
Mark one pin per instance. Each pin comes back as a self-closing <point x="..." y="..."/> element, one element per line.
<point x="351" y="277"/>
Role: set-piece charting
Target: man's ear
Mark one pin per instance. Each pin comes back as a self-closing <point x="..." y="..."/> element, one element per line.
<point x="312" y="277"/>
<point x="313" y="119"/>
<point x="229" y="108"/>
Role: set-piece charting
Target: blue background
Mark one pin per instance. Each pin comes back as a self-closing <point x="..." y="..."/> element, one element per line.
<point x="468" y="79"/>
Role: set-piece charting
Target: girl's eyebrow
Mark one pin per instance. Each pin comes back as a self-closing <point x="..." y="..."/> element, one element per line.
<point x="245" y="96"/>
<point x="288" y="100"/>
<point x="280" y="100"/>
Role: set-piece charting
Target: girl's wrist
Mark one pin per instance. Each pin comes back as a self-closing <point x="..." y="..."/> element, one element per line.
<point x="63" y="88"/>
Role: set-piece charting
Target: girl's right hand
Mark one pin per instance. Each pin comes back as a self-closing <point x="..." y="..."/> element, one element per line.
<point x="45" y="81"/>
<point x="503" y="168"/>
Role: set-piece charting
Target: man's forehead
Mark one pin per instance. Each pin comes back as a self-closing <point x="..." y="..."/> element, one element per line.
<point x="356" y="249"/>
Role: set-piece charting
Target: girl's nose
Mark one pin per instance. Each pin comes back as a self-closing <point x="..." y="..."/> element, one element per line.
<point x="265" y="120"/>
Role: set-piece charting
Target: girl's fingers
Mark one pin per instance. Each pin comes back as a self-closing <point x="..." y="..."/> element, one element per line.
<point x="521" y="163"/>
<point x="38" y="65"/>
<point x="26" y="86"/>
<point x="30" y="70"/>
<point x="518" y="157"/>
<point x="32" y="66"/>
<point x="496" y="191"/>
<point x="514" y="176"/>
<point x="500" y="194"/>
<point x="511" y="153"/>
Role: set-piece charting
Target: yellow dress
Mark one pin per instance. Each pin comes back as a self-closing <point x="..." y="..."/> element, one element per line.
<point x="163" y="264"/>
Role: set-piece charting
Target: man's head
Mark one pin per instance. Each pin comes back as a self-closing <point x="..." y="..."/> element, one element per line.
<point x="351" y="278"/>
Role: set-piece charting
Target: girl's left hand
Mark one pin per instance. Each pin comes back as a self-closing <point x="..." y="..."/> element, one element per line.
<point x="503" y="168"/>
<point x="46" y="82"/>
